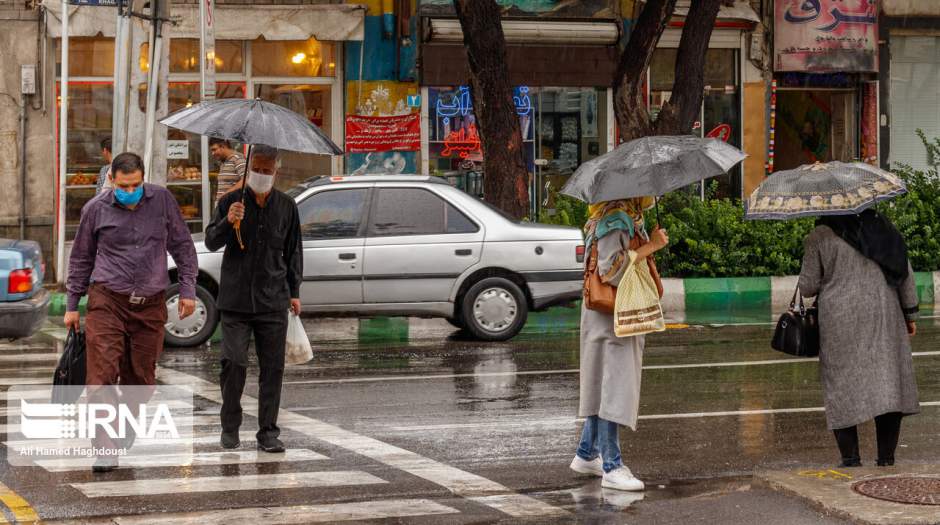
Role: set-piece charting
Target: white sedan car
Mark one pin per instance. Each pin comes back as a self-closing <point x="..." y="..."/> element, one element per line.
<point x="410" y="246"/>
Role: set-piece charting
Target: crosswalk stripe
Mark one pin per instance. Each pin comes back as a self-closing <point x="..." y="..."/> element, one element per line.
<point x="457" y="481"/>
<point x="173" y="405"/>
<point x="149" y="487"/>
<point x="328" y="513"/>
<point x="29" y="358"/>
<point x="15" y="381"/>
<point x="182" y="421"/>
<point x="516" y="505"/>
<point x="233" y="457"/>
<point x="140" y="446"/>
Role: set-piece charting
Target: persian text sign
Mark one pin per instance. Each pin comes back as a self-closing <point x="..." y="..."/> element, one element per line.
<point x="367" y="134"/>
<point x="826" y="35"/>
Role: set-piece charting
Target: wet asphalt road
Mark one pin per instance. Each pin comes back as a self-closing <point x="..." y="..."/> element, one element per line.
<point x="443" y="430"/>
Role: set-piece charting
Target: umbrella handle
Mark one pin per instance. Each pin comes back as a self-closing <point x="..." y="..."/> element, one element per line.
<point x="238" y="234"/>
<point x="238" y="224"/>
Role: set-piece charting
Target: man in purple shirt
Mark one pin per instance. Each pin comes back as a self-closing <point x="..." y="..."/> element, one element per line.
<point x="119" y="260"/>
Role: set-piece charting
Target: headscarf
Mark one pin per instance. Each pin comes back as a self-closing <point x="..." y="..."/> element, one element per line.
<point x="624" y="214"/>
<point x="876" y="238"/>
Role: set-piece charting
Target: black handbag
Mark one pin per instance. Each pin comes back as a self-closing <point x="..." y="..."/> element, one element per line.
<point x="797" y="331"/>
<point x="69" y="379"/>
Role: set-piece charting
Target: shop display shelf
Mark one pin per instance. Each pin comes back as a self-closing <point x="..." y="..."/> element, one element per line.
<point x="80" y="186"/>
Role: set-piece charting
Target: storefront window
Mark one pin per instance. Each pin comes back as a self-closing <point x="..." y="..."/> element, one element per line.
<point x="88" y="57"/>
<point x="89" y="122"/>
<point x="721" y="106"/>
<point x="561" y="128"/>
<point x="184" y="56"/>
<point x="314" y="102"/>
<point x="292" y="58"/>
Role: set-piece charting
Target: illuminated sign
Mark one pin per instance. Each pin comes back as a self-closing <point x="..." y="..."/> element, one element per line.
<point x="463" y="142"/>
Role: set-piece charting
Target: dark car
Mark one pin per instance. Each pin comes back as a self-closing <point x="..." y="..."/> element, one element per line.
<point x="24" y="303"/>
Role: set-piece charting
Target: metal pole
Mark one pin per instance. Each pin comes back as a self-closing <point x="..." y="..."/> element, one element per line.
<point x="156" y="51"/>
<point x="63" y="143"/>
<point x="206" y="92"/>
<point x="121" y="64"/>
<point x="23" y="108"/>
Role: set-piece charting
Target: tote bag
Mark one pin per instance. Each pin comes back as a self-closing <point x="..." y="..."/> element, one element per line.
<point x="638" y="310"/>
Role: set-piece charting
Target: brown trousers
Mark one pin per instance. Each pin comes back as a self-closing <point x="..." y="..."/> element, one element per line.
<point x="123" y="341"/>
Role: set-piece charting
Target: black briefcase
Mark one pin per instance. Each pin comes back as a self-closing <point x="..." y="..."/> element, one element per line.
<point x="70" y="373"/>
<point x="797" y="330"/>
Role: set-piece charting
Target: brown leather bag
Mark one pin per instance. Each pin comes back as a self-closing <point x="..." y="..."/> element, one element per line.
<point x="598" y="295"/>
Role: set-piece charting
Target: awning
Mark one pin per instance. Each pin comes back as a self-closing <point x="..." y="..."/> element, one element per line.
<point x="910" y="8"/>
<point x="334" y="22"/>
<point x="541" y="32"/>
<point x="740" y="10"/>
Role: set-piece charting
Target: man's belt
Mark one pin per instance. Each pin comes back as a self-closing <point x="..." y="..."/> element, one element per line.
<point x="133" y="298"/>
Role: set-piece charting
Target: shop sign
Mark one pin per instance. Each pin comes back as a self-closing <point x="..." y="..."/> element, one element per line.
<point x="368" y="134"/>
<point x="826" y="35"/>
<point x="177" y="149"/>
<point x="463" y="143"/>
<point x="414" y="101"/>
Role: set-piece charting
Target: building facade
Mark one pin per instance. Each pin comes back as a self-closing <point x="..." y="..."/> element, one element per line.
<point x="785" y="80"/>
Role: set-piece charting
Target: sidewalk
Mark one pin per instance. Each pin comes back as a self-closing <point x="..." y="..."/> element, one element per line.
<point x="831" y="490"/>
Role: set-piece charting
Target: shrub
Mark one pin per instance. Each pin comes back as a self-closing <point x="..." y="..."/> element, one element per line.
<point x="710" y="238"/>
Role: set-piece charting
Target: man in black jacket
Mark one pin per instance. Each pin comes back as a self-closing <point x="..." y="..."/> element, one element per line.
<point x="261" y="275"/>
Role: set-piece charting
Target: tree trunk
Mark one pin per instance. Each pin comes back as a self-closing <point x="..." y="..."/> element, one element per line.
<point x="684" y="106"/>
<point x="505" y="183"/>
<point x="630" y="107"/>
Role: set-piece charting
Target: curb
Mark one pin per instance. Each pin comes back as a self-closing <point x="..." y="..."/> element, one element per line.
<point x="698" y="301"/>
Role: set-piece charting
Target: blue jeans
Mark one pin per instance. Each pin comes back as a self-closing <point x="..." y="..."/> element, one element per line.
<point x="601" y="437"/>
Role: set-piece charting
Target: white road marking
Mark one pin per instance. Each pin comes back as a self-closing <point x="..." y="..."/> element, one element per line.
<point x="231" y="457"/>
<point x="516" y="505"/>
<point x="764" y="362"/>
<point x="457" y="481"/>
<point x="29" y="358"/>
<point x="14" y="381"/>
<point x="292" y="480"/>
<point x="566" y="422"/>
<point x="141" y="445"/>
<point x="301" y="514"/>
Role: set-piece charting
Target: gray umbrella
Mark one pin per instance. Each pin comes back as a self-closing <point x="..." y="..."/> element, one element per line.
<point x="253" y="122"/>
<point x="651" y="166"/>
<point x="833" y="188"/>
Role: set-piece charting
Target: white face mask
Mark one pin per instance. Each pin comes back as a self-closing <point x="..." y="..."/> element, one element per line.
<point x="260" y="183"/>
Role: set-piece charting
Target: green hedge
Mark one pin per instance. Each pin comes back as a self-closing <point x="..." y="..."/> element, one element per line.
<point x="711" y="238"/>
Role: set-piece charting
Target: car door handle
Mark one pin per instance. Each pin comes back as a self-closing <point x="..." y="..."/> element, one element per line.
<point x="347" y="257"/>
<point x="463" y="253"/>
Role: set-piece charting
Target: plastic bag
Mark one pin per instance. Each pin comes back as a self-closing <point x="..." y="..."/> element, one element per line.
<point x="298" y="349"/>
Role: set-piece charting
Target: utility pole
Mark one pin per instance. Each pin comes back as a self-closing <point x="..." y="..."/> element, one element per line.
<point x="159" y="10"/>
<point x="206" y="91"/>
<point x="121" y="77"/>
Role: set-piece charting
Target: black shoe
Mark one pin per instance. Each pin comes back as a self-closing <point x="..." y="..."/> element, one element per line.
<point x="886" y="462"/>
<point x="230" y="440"/>
<point x="104" y="464"/>
<point x="271" y="445"/>
<point x="850" y="463"/>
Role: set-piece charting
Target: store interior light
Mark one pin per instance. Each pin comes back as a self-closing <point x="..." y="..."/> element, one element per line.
<point x="298" y="58"/>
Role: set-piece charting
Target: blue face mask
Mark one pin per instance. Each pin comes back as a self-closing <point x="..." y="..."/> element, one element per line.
<point x="129" y="198"/>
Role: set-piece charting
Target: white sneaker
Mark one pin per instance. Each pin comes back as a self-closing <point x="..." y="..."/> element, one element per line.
<point x="622" y="479"/>
<point x="595" y="467"/>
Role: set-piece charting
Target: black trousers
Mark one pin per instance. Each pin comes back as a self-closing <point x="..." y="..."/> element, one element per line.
<point x="270" y="333"/>
<point x="887" y="429"/>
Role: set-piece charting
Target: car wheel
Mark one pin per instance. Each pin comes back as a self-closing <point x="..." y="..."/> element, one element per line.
<point x="195" y="329"/>
<point x="494" y="309"/>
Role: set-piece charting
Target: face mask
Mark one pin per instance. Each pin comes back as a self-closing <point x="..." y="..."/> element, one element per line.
<point x="129" y="198"/>
<point x="259" y="182"/>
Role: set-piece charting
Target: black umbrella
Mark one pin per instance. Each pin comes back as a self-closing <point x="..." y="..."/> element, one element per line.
<point x="253" y="122"/>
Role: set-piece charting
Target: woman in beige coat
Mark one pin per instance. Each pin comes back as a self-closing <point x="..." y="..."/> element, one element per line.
<point x="610" y="365"/>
